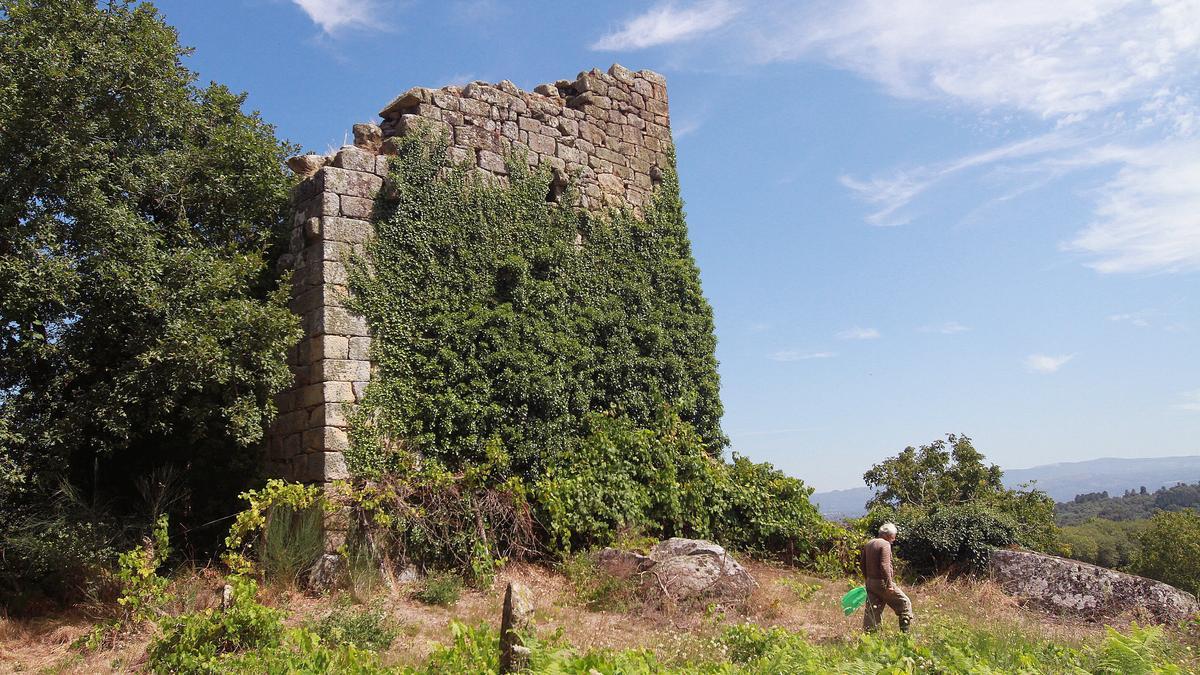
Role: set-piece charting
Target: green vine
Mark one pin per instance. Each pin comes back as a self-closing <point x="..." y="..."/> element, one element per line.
<point x="501" y="317"/>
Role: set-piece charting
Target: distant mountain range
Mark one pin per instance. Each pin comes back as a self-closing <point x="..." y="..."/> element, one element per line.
<point x="1061" y="481"/>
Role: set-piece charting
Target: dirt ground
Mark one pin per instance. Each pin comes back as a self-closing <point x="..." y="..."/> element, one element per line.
<point x="785" y="598"/>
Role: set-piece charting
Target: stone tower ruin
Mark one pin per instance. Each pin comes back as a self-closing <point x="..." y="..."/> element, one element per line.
<point x="609" y="132"/>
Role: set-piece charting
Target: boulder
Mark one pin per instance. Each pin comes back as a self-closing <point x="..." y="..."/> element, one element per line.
<point x="691" y="569"/>
<point x="1070" y="587"/>
<point x="680" y="570"/>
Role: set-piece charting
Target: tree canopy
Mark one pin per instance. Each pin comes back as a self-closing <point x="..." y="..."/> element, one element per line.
<point x="141" y="326"/>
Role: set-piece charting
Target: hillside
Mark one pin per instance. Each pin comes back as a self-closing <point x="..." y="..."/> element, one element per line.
<point x="1062" y="481"/>
<point x="792" y="623"/>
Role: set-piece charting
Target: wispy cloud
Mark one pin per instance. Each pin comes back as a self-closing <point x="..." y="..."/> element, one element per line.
<point x="945" y="328"/>
<point x="795" y="355"/>
<point x="1134" y="318"/>
<point x="1063" y="60"/>
<point x="1119" y="73"/>
<point x="1046" y="364"/>
<point x="891" y="193"/>
<point x="1147" y="217"/>
<point x="668" y="23"/>
<point x="857" y="333"/>
<point x="1191" y="401"/>
<point x="335" y="15"/>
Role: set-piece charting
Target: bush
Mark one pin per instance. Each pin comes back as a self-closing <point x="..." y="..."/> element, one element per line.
<point x="662" y="482"/>
<point x="594" y="588"/>
<point x="1171" y="549"/>
<point x="439" y="588"/>
<point x="953" y="538"/>
<point x="143" y="592"/>
<point x="194" y="643"/>
<point x="292" y="539"/>
<point x="363" y="628"/>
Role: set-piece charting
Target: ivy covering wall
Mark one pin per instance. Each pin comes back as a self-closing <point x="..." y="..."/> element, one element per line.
<point x="502" y="318"/>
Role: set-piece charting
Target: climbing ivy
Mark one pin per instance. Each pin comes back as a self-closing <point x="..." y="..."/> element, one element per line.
<point x="499" y="315"/>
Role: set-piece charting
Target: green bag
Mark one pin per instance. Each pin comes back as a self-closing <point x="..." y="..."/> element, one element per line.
<point x="853" y="600"/>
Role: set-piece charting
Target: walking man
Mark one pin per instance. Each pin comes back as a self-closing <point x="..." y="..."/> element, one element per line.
<point x="881" y="586"/>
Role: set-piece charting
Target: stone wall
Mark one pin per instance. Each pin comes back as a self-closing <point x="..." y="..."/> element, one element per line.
<point x="609" y="132"/>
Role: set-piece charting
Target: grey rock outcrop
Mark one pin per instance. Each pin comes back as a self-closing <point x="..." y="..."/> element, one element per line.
<point x="1070" y="587"/>
<point x="682" y="570"/>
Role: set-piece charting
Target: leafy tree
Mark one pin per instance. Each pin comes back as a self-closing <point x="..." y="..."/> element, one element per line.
<point x="953" y="506"/>
<point x="1171" y="549"/>
<point x="933" y="474"/>
<point x="140" y="324"/>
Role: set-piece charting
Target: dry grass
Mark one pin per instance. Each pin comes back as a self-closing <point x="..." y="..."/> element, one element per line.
<point x="785" y="598"/>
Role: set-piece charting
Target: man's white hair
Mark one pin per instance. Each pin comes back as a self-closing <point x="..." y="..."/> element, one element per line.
<point x="886" y="529"/>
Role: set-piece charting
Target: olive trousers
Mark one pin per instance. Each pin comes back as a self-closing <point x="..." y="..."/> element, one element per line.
<point x="879" y="595"/>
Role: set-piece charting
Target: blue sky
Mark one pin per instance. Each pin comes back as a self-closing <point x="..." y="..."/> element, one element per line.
<point x="911" y="218"/>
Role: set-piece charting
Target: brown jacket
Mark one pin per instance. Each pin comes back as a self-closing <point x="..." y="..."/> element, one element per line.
<point x="876" y="560"/>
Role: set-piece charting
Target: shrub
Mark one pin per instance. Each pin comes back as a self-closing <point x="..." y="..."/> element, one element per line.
<point x="291" y="540"/>
<point x="1171" y="549"/>
<point x="143" y="592"/>
<point x="194" y="643"/>
<point x="363" y="628"/>
<point x="594" y="588"/>
<point x="439" y="588"/>
<point x="953" y="538"/>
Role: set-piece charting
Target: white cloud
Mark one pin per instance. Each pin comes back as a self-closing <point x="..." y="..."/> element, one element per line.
<point x="1119" y="73"/>
<point x="893" y="193"/>
<point x="1135" y="318"/>
<point x="333" y="15"/>
<point x="1060" y="60"/>
<point x="1191" y="401"/>
<point x="945" y="328"/>
<point x="1147" y="218"/>
<point x="857" y="333"/>
<point x="793" y="355"/>
<point x="1045" y="364"/>
<point x="668" y="23"/>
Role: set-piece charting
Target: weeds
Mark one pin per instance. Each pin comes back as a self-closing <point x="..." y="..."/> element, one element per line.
<point x="594" y="588"/>
<point x="364" y="628"/>
<point x="439" y="588"/>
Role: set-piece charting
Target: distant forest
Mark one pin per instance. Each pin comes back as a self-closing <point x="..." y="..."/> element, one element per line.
<point x="1111" y="531"/>
<point x="1133" y="505"/>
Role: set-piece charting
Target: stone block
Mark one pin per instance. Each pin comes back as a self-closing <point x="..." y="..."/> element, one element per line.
<point x="331" y="415"/>
<point x="348" y="230"/>
<point x="341" y="370"/>
<point x="368" y="136"/>
<point x="383" y="164"/>
<point x="472" y="107"/>
<point x="359" y="390"/>
<point x="493" y="162"/>
<point x="355" y="159"/>
<point x="326" y="439"/>
<point x="472" y="136"/>
<point x="541" y="144"/>
<point x="340" y="321"/>
<point x="359" y="348"/>
<point x="357" y="207"/>
<point x="352" y="183"/>
<point x="325" y="347"/>
<point x="409" y="99"/>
